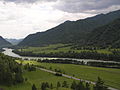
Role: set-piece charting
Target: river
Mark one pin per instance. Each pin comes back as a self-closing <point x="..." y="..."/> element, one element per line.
<point x="8" y="51"/>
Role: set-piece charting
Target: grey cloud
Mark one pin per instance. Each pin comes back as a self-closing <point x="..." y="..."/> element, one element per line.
<point x="28" y="1"/>
<point x="77" y="6"/>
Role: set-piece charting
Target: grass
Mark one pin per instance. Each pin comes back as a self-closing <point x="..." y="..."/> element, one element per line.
<point x="37" y="77"/>
<point x="109" y="75"/>
<point x="55" y="48"/>
<point x="48" y="49"/>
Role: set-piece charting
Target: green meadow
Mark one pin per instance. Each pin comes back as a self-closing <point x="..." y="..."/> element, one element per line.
<point x="37" y="77"/>
<point x="55" y="48"/>
<point x="110" y="76"/>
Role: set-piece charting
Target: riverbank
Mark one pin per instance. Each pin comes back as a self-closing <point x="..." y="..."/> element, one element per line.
<point x="9" y="52"/>
<point x="67" y="51"/>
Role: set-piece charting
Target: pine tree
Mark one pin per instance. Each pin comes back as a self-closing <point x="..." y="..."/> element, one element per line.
<point x="58" y="85"/>
<point x="100" y="85"/>
<point x="65" y="84"/>
<point x="51" y="86"/>
<point x="80" y="86"/>
<point x="34" y="87"/>
<point x="87" y="86"/>
<point x="73" y="86"/>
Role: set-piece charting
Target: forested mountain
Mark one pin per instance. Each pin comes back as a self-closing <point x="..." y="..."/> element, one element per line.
<point x="14" y="41"/>
<point x="70" y="31"/>
<point x="108" y="35"/>
<point x="3" y="42"/>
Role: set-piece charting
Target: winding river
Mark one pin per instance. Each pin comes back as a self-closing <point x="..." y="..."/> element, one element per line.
<point x="8" y="51"/>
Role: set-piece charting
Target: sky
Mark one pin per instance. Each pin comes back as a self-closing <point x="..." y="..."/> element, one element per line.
<point x="19" y="18"/>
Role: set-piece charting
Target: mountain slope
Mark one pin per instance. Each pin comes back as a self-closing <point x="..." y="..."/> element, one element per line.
<point x="14" y="41"/>
<point x="108" y="35"/>
<point x="4" y="43"/>
<point x="70" y="31"/>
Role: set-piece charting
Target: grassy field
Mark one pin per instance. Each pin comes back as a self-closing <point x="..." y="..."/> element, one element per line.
<point x="109" y="75"/>
<point x="37" y="77"/>
<point x="59" y="48"/>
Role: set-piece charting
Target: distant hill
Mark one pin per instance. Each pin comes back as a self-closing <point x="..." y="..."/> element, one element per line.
<point x="70" y="31"/>
<point x="108" y="35"/>
<point x="14" y="41"/>
<point x="4" y="43"/>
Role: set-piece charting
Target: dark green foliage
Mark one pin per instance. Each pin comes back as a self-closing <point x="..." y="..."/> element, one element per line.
<point x="87" y="86"/>
<point x="80" y="85"/>
<point x="100" y="85"/>
<point x="104" y="64"/>
<point x="106" y="36"/>
<point x="45" y="85"/>
<point x="74" y="85"/>
<point x="29" y="67"/>
<point x="19" y="78"/>
<point x="10" y="71"/>
<point x="34" y="87"/>
<point x="58" y="84"/>
<point x="4" y="43"/>
<point x="70" y="31"/>
<point x="65" y="84"/>
<point x="51" y="86"/>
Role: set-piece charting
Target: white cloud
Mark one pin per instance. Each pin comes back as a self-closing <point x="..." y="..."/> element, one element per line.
<point x="17" y="20"/>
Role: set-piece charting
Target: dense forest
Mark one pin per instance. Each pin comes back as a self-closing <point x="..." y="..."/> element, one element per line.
<point x="10" y="71"/>
<point x="106" y="36"/>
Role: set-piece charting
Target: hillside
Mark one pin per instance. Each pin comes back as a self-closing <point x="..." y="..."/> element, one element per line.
<point x="108" y="35"/>
<point x="3" y="42"/>
<point x="14" y="41"/>
<point x="69" y="31"/>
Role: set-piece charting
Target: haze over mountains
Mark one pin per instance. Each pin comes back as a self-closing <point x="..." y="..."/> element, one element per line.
<point x="14" y="41"/>
<point x="78" y="31"/>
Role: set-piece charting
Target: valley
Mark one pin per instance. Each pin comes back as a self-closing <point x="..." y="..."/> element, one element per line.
<point x="74" y="55"/>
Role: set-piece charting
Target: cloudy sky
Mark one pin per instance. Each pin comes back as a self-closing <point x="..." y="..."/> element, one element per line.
<point x="18" y="18"/>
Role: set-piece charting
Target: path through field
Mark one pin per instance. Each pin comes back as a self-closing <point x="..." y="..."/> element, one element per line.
<point x="71" y="77"/>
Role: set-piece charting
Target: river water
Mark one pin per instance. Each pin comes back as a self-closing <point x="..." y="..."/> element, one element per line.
<point x="8" y="51"/>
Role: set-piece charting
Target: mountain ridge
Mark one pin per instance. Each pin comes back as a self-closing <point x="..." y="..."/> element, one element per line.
<point x="69" y="31"/>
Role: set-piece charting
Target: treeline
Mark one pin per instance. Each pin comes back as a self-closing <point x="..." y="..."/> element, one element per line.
<point x="29" y="67"/>
<point x="104" y="64"/>
<point x="10" y="71"/>
<point x="79" y="85"/>
<point x="62" y="61"/>
<point x="89" y="63"/>
<point x="72" y="54"/>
